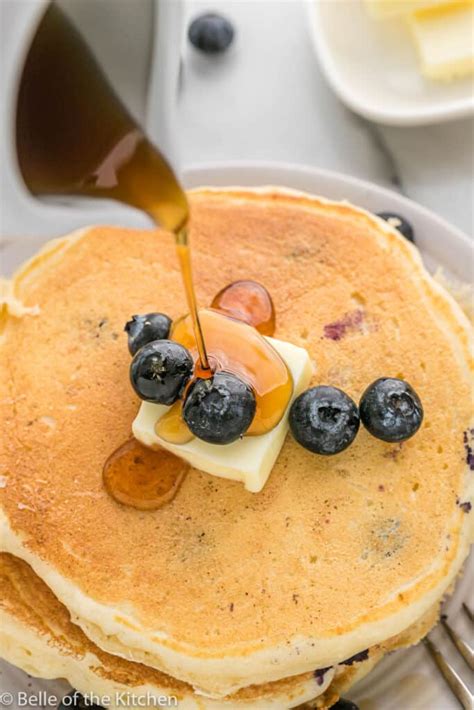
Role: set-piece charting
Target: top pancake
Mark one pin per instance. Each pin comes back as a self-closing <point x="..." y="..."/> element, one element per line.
<point x="224" y="588"/>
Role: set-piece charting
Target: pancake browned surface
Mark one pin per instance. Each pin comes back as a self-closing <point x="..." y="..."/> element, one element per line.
<point x="224" y="588"/>
<point x="36" y="634"/>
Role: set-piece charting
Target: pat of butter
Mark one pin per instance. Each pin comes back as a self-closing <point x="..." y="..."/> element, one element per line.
<point x="445" y="40"/>
<point x="250" y="459"/>
<point x="384" y="9"/>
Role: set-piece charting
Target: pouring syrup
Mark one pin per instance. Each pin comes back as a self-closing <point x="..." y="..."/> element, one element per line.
<point x="75" y="137"/>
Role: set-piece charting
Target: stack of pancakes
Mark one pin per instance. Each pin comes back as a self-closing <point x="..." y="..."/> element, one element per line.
<point x="225" y="598"/>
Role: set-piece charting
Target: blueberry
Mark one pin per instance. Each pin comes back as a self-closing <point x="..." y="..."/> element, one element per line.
<point x="211" y="33"/>
<point x="319" y="674"/>
<point x="220" y="409"/>
<point x="160" y="370"/>
<point x="391" y="410"/>
<point x="143" y="329"/>
<point x="400" y="223"/>
<point x="324" y="420"/>
<point x="76" y="700"/>
<point x="343" y="704"/>
<point x="356" y="658"/>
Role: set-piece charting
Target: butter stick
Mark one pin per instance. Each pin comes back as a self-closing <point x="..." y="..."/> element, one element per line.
<point x="444" y="39"/>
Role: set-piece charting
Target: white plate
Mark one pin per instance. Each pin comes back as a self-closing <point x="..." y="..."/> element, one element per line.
<point x="406" y="680"/>
<point x="373" y="67"/>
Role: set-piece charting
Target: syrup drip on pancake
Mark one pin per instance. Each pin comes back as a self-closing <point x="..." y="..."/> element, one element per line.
<point x="248" y="301"/>
<point x="141" y="477"/>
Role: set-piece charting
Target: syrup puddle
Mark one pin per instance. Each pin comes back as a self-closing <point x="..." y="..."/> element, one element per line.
<point x="141" y="477"/>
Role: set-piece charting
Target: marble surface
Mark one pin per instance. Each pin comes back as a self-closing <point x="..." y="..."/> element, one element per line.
<point x="267" y="99"/>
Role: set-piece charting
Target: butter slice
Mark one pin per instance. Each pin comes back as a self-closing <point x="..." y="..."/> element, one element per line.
<point x="445" y="40"/>
<point x="385" y="9"/>
<point x="249" y="460"/>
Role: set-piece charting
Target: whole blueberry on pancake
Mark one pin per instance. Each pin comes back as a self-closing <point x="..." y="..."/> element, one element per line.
<point x="146" y="328"/>
<point x="160" y="370"/>
<point x="211" y="33"/>
<point x="391" y="410"/>
<point x="400" y="223"/>
<point x="220" y="409"/>
<point x="324" y="420"/>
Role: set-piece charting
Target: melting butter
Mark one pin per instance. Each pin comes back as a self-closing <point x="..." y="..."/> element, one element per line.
<point x="249" y="460"/>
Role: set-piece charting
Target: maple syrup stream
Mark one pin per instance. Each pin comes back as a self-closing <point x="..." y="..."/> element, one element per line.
<point x="75" y="137"/>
